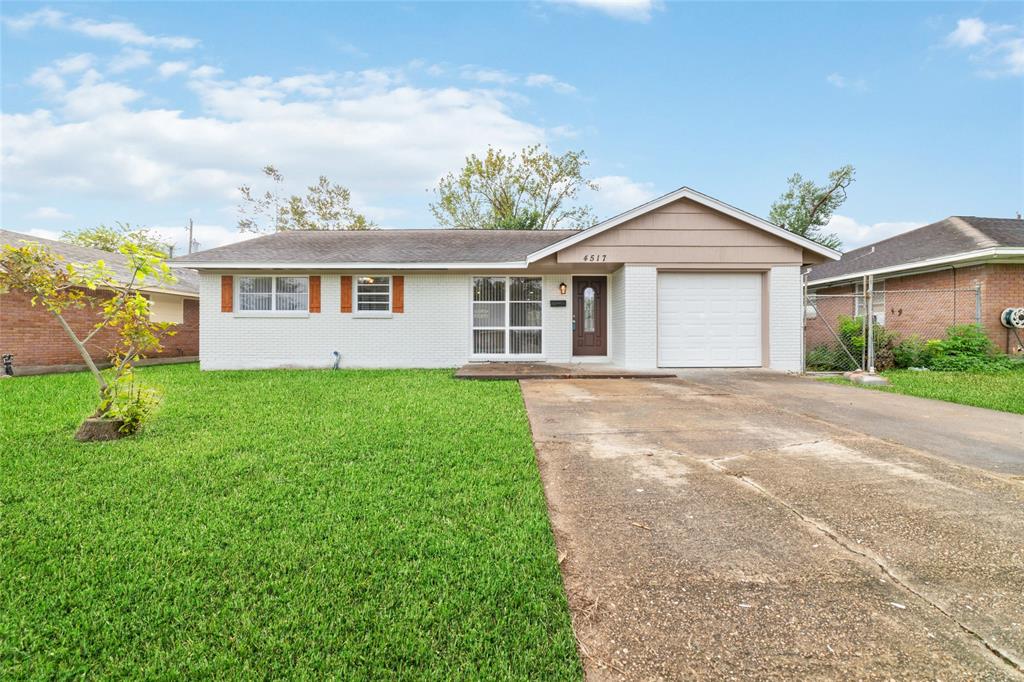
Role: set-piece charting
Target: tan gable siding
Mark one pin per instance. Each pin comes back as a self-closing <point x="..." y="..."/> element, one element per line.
<point x="685" y="233"/>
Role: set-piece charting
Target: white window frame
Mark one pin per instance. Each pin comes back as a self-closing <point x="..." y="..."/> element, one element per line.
<point x="273" y="312"/>
<point x="507" y="328"/>
<point x="877" y="302"/>
<point x="356" y="312"/>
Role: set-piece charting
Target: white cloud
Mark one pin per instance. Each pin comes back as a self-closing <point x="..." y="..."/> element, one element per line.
<point x="205" y="72"/>
<point x="44" y="234"/>
<point x="168" y="69"/>
<point x="968" y="33"/>
<point x="43" y="17"/>
<point x="119" y="31"/>
<point x="93" y="97"/>
<point x="565" y="131"/>
<point x="349" y="49"/>
<point x="489" y="76"/>
<point x="843" y="82"/>
<point x="855" y="234"/>
<point x="128" y="59"/>
<point x="49" y="213"/>
<point x="543" y="80"/>
<point x="75" y="64"/>
<point x="998" y="48"/>
<point x="618" y="193"/>
<point x="630" y="10"/>
<point x="46" y="78"/>
<point x="209" y="236"/>
<point x="371" y="132"/>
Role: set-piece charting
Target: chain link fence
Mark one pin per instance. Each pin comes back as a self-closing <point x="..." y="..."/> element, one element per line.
<point x="836" y="325"/>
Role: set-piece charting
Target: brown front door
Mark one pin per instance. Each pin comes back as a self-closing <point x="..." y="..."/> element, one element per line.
<point x="589" y="316"/>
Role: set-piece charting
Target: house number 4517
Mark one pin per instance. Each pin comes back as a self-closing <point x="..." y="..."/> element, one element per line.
<point x="595" y="257"/>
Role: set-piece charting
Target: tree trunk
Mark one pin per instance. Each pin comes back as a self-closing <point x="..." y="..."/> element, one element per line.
<point x="84" y="353"/>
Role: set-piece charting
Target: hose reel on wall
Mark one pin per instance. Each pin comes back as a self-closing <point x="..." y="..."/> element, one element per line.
<point x="1013" y="318"/>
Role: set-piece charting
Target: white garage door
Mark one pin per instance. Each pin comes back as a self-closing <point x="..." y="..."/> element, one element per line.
<point x="709" y="319"/>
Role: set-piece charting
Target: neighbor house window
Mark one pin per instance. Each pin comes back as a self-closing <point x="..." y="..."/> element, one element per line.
<point x="877" y="302"/>
<point x="507" y="315"/>
<point x="373" y="294"/>
<point x="266" y="293"/>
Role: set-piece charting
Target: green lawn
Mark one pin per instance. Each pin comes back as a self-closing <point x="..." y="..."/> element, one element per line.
<point x="998" y="391"/>
<point x="350" y="524"/>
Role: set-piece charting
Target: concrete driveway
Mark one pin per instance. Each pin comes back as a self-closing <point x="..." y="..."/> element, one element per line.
<point x="738" y="525"/>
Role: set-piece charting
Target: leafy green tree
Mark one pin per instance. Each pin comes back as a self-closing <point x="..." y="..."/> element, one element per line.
<point x="325" y="206"/>
<point x="60" y="286"/>
<point x="529" y="190"/>
<point x="111" y="238"/>
<point x="804" y="208"/>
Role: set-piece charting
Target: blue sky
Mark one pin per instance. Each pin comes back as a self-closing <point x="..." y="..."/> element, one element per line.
<point x="154" y="113"/>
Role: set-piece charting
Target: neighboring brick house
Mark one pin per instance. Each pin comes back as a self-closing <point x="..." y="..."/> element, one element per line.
<point x="960" y="270"/>
<point x="38" y="343"/>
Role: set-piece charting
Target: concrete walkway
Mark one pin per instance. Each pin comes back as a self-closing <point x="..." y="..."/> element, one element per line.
<point x="721" y="527"/>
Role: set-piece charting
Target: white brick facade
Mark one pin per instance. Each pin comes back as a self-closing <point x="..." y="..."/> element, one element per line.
<point x="640" y="333"/>
<point x="785" y="319"/>
<point x="617" y="316"/>
<point x="434" y="330"/>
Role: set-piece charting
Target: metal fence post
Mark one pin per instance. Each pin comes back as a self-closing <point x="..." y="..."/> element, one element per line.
<point x="869" y="316"/>
<point x="977" y="303"/>
<point x="803" y="322"/>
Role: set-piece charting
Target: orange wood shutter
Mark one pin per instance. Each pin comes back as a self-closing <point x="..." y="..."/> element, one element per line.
<point x="314" y="294"/>
<point x="398" y="294"/>
<point x="227" y="290"/>
<point x="346" y="293"/>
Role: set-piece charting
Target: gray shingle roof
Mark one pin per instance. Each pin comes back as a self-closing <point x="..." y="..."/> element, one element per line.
<point x="188" y="280"/>
<point x="384" y="246"/>
<point x="956" y="234"/>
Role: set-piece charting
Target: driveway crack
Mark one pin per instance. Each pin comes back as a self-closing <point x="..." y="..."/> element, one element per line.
<point x="868" y="556"/>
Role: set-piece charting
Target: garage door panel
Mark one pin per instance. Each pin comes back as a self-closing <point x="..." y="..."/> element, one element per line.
<point x="709" y="319"/>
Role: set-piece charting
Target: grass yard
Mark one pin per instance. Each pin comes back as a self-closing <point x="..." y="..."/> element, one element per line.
<point x="997" y="391"/>
<point x="310" y="524"/>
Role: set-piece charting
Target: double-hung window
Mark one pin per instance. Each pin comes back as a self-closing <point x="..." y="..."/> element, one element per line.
<point x="877" y="302"/>
<point x="507" y="315"/>
<point x="272" y="294"/>
<point x="373" y="294"/>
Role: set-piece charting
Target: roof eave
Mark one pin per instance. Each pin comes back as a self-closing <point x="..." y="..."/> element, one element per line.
<point x="694" y="195"/>
<point x="966" y="257"/>
<point x="421" y="265"/>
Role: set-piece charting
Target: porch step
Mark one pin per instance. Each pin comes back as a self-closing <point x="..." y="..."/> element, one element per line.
<point x="512" y="371"/>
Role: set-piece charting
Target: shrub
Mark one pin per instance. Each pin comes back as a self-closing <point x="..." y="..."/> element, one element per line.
<point x="966" y="348"/>
<point x="825" y="358"/>
<point x="851" y="331"/>
<point x="912" y="352"/>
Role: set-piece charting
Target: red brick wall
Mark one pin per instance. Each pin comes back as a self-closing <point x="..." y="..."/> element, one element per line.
<point x="816" y="329"/>
<point x="924" y="305"/>
<point x="928" y="304"/>
<point x="1003" y="288"/>
<point x="36" y="339"/>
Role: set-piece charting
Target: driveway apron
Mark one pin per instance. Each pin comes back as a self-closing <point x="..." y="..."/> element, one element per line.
<point x="711" y="532"/>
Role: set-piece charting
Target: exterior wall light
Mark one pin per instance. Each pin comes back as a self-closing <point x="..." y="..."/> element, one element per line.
<point x="562" y="288"/>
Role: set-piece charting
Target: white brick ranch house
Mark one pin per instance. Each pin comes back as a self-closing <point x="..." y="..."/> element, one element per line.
<point x="684" y="280"/>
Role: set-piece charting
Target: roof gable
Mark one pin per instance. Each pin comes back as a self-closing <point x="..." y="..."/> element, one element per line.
<point x="686" y="193"/>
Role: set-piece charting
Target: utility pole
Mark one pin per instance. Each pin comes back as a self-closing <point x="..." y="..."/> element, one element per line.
<point x="190" y="235"/>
